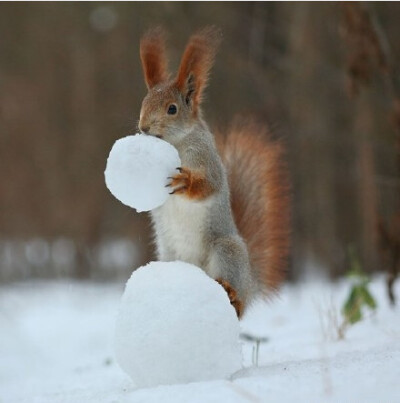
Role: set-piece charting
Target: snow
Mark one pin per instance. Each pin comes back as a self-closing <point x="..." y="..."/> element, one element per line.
<point x="56" y="345"/>
<point x="137" y="170"/>
<point x="176" y="325"/>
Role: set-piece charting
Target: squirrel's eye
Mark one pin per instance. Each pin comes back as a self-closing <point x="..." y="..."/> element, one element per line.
<point x="172" y="109"/>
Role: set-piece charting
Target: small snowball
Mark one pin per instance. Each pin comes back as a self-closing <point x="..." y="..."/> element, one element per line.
<point x="137" y="171"/>
<point x="176" y="325"/>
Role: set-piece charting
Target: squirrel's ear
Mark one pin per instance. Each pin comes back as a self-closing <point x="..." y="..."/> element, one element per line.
<point x="196" y="64"/>
<point x="152" y="54"/>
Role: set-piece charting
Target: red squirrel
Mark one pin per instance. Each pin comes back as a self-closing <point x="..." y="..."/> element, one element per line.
<point x="229" y="209"/>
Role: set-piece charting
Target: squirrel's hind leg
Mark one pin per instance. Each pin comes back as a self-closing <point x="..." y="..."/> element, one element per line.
<point x="229" y="266"/>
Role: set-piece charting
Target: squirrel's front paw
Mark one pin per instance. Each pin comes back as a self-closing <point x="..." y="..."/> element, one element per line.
<point x="181" y="182"/>
<point x="233" y="297"/>
<point x="190" y="183"/>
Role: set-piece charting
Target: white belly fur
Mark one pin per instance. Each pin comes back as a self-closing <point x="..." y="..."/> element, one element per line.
<point x="179" y="226"/>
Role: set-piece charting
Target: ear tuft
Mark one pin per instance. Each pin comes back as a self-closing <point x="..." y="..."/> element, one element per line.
<point x="153" y="56"/>
<point x="196" y="64"/>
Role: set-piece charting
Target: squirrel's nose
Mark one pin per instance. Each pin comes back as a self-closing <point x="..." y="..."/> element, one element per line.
<point x="144" y="129"/>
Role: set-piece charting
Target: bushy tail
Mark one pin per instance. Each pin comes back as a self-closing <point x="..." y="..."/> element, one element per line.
<point x="259" y="186"/>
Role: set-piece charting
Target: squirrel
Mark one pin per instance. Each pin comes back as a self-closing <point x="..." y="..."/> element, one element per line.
<point x="229" y="210"/>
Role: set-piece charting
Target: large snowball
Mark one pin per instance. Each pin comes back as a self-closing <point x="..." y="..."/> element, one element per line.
<point x="176" y="325"/>
<point x="137" y="170"/>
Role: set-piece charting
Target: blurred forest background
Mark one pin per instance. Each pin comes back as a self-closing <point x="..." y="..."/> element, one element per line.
<point x="323" y="75"/>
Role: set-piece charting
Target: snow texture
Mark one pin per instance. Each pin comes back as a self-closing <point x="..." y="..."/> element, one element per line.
<point x="176" y="325"/>
<point x="56" y="346"/>
<point x="137" y="170"/>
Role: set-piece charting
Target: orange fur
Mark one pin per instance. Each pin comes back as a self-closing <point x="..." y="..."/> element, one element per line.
<point x="196" y="63"/>
<point x="259" y="188"/>
<point x="191" y="184"/>
<point x="153" y="57"/>
<point x="232" y="294"/>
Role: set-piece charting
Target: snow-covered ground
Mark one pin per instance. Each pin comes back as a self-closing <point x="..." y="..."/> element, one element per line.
<point x="56" y="345"/>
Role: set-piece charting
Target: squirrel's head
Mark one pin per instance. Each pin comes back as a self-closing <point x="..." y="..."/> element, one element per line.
<point x="172" y="105"/>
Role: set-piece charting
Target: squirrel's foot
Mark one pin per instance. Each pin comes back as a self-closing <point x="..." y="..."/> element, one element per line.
<point x="233" y="297"/>
<point x="180" y="183"/>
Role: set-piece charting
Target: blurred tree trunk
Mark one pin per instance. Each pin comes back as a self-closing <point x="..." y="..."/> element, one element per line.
<point x="368" y="58"/>
<point x="315" y="240"/>
<point x="368" y="206"/>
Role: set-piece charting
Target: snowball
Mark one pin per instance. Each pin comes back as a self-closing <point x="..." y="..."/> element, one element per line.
<point x="137" y="171"/>
<point x="176" y="325"/>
